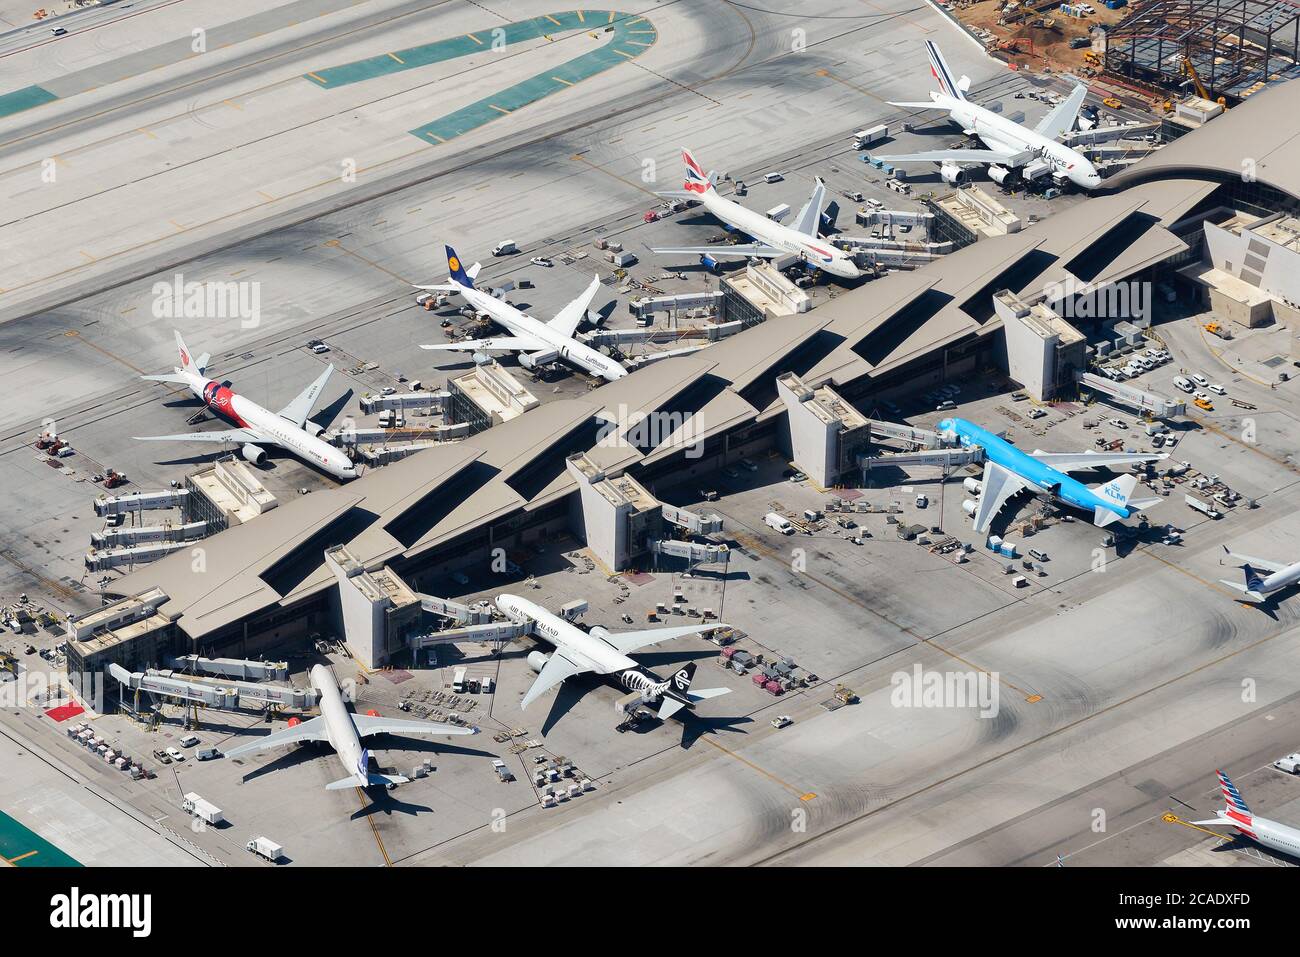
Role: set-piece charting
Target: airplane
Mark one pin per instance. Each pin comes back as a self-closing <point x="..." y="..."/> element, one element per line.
<point x="1270" y="834"/>
<point x="1007" y="470"/>
<point x="772" y="240"/>
<point x="288" y="428"/>
<point x="671" y="695"/>
<point x="1010" y="145"/>
<point x="536" y="342"/>
<point x="600" y="651"/>
<point x="344" y="731"/>
<point x="1256" y="588"/>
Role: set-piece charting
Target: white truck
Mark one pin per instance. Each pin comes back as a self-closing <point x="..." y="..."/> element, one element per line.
<point x="203" y="810"/>
<point x="1202" y="506"/>
<point x="778" y="522"/>
<point x="266" y="848"/>
<point x="869" y="137"/>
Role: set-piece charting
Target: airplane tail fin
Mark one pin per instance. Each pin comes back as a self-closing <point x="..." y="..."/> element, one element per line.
<point x="948" y="84"/>
<point x="697" y="181"/>
<point x="1235" y="811"/>
<point x="188" y="362"/>
<point x="1116" y="492"/>
<point x="679" y="695"/>
<point x="1251" y="585"/>
<point x="456" y="271"/>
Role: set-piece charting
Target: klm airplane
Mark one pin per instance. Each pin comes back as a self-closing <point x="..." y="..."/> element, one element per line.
<point x="1007" y="471"/>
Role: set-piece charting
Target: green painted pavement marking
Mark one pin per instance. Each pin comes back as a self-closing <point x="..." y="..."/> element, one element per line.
<point x="23" y="847"/>
<point x="25" y="99"/>
<point x="629" y="35"/>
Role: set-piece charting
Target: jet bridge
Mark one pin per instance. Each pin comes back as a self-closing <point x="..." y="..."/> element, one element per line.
<point x="1132" y="398"/>
<point x="223" y="696"/>
<point x="461" y="614"/>
<point x="693" y="522"/>
<point x="937" y="458"/>
<point x="232" y="668"/>
<point x="107" y="505"/>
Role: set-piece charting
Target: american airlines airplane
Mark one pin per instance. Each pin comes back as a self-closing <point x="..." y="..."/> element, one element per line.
<point x="536" y="342"/>
<point x="1007" y="470"/>
<point x="773" y="240"/>
<point x="1270" y="834"/>
<point x="1256" y="588"/>
<point x="344" y="731"/>
<point x="1010" y="145"/>
<point x="599" y="651"/>
<point x="288" y="428"/>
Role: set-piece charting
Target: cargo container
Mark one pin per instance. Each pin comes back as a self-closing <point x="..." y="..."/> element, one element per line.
<point x="869" y="137"/>
<point x="203" y="810"/>
<point x="1202" y="506"/>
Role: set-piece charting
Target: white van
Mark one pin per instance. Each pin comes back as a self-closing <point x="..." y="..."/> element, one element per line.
<point x="1200" y="379"/>
<point x="1182" y="384"/>
<point x="1217" y="389"/>
<point x="506" y="247"/>
<point x="779" y="523"/>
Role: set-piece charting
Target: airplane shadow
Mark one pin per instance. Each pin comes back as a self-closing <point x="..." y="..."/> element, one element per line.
<point x="329" y="413"/>
<point x="299" y="755"/>
<point x="383" y="801"/>
<point x="696" y="726"/>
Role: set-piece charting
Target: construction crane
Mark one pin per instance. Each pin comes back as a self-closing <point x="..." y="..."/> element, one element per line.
<point x="1188" y="69"/>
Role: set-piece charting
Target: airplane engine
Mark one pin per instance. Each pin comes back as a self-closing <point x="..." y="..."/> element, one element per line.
<point x="969" y="506"/>
<point x="252" y="453"/>
<point x="537" y="660"/>
<point x="596" y="631"/>
<point x="973" y="485"/>
<point x="999" y="174"/>
<point x="311" y="428"/>
<point x="952" y="173"/>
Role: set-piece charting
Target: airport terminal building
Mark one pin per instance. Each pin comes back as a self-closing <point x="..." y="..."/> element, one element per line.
<point x="254" y="586"/>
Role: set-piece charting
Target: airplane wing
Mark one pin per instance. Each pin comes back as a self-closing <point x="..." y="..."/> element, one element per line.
<point x="761" y="250"/>
<point x="310" y="730"/>
<point x="223" y="436"/>
<point x="1062" y="116"/>
<point x="629" y="641"/>
<point x="557" y="668"/>
<point x="1253" y="562"/>
<point x="1073" y="461"/>
<point x="298" y="410"/>
<point x="914" y="105"/>
<point x="492" y="344"/>
<point x="368" y="725"/>
<point x="999" y="485"/>
<point x="567" y="319"/>
<point x="808" y="219"/>
<point x="952" y="156"/>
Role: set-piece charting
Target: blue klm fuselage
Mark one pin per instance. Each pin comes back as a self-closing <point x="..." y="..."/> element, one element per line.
<point x="1003" y="453"/>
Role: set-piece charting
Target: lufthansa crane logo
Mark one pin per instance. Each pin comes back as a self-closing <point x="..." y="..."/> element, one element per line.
<point x="454" y="263"/>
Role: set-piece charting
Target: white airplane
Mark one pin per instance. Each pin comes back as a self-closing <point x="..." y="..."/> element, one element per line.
<point x="288" y="428"/>
<point x="1256" y="588"/>
<point x="536" y="342"/>
<point x="599" y="651"/>
<point x="344" y="731"/>
<point x="1270" y="834"/>
<point x="773" y="240"/>
<point x="1010" y="145"/>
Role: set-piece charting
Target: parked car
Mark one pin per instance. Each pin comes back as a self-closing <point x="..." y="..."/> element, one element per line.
<point x="175" y="755"/>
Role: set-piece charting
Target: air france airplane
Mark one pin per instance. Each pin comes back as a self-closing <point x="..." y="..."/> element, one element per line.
<point x="602" y="652"/>
<point x="1007" y="470"/>
<point x="288" y="428"/>
<point x="344" y="731"/>
<point x="1236" y="814"/>
<point x="1010" y="145"/>
<point x="772" y="239"/>
<point x="536" y="342"/>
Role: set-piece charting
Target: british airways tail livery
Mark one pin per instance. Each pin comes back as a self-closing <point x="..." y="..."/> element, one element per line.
<point x="1007" y="471"/>
<point x="772" y="240"/>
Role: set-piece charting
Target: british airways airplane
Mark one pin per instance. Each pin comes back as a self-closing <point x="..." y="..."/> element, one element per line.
<point x="772" y="240"/>
<point x="1236" y="814"/>
<point x="1007" y="470"/>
